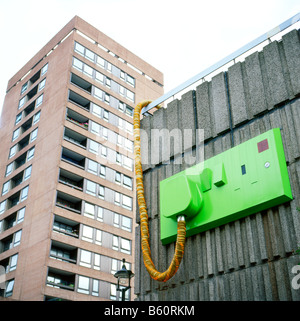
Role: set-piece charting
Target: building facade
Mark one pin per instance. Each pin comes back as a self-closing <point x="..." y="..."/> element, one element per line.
<point x="67" y="203"/>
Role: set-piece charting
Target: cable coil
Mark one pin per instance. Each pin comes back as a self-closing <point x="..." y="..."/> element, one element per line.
<point x="145" y="239"/>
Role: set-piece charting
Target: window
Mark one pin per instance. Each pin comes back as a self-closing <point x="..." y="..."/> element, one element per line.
<point x="127" y="181"/>
<point x="115" y="243"/>
<point x="122" y="90"/>
<point x="102" y="171"/>
<point x="121" y="106"/>
<point x="108" y="82"/>
<point x="89" y="54"/>
<point x="125" y="246"/>
<point x="92" y="166"/>
<point x="98" y="93"/>
<point x="127" y="202"/>
<point x="130" y="80"/>
<point x="119" y="140"/>
<point x="100" y="61"/>
<point x="98" y="237"/>
<point x="18" y="118"/>
<point x="30" y="154"/>
<point x="101" y="191"/>
<point x="77" y="64"/>
<point x="13" y="262"/>
<point x="118" y="158"/>
<point x="91" y="235"/>
<point x="128" y="127"/>
<point x="83" y="284"/>
<point x="36" y="117"/>
<point x="12" y="151"/>
<point x="129" y="111"/>
<point x="105" y="114"/>
<point x="128" y="162"/>
<point x="85" y="258"/>
<point x="17" y="238"/>
<point x="91" y="188"/>
<point x="97" y="260"/>
<point x="118" y="177"/>
<point x="21" y="214"/>
<point x="107" y="98"/>
<point x="87" y="233"/>
<point x="128" y="144"/>
<point x="22" y="102"/>
<point x="103" y="151"/>
<point x="39" y="101"/>
<point x="27" y="172"/>
<point x="16" y="134"/>
<point x="99" y="77"/>
<point x="79" y="48"/>
<point x="97" y="110"/>
<point x="130" y="95"/>
<point x="121" y="244"/>
<point x="95" y="287"/>
<point x="89" y="210"/>
<point x="116" y="220"/>
<point x="117" y="198"/>
<point x="109" y="66"/>
<point x="95" y="128"/>
<point x="33" y="135"/>
<point x="2" y="207"/>
<point x="9" y="288"/>
<point x="24" y="88"/>
<point x="113" y="292"/>
<point x="5" y="188"/>
<point x="42" y="84"/>
<point x="9" y="169"/>
<point x="94" y="147"/>
<point x="126" y="223"/>
<point x="44" y="70"/>
<point x="100" y="214"/>
<point x="88" y="70"/>
<point x="24" y="193"/>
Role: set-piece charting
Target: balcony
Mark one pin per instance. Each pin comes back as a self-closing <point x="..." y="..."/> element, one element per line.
<point x="68" y="202"/>
<point x="73" y="158"/>
<point x="63" y="252"/>
<point x="60" y="279"/>
<point x="70" y="179"/>
<point x="79" y="100"/>
<point x="12" y="220"/>
<point x="77" y="119"/>
<point x="81" y="83"/>
<point x="66" y="226"/>
<point x="75" y="138"/>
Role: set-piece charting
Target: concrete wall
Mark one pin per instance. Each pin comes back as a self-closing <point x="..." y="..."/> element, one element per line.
<point x="252" y="258"/>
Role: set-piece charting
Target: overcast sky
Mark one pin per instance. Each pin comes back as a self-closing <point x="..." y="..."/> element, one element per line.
<point x="180" y="38"/>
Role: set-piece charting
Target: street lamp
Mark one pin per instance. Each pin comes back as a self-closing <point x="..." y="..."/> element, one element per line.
<point x="123" y="277"/>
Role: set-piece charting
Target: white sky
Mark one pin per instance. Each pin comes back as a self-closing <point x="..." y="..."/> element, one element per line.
<point x="179" y="37"/>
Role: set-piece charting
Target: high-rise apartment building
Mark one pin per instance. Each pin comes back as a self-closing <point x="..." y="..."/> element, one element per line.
<point x="67" y="202"/>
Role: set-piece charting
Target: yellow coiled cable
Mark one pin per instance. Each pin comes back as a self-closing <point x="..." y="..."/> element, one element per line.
<point x="181" y="225"/>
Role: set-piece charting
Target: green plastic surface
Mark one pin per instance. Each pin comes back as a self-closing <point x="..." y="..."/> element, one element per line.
<point x="241" y="181"/>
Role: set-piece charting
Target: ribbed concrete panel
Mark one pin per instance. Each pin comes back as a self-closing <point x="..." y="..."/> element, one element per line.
<point x="251" y="258"/>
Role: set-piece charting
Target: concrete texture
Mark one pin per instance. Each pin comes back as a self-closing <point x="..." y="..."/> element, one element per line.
<point x="251" y="258"/>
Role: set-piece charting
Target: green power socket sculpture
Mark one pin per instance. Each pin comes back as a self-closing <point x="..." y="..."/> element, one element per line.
<point x="241" y="181"/>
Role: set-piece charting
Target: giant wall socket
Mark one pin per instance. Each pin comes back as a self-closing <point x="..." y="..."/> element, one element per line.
<point x="241" y="181"/>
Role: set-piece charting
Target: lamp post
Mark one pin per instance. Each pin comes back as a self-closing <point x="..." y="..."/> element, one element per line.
<point x="123" y="277"/>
